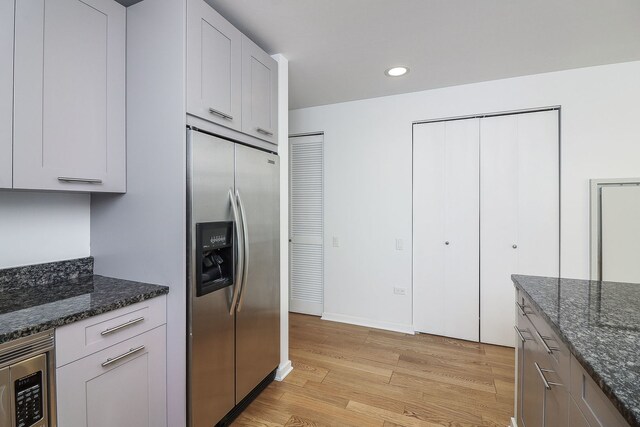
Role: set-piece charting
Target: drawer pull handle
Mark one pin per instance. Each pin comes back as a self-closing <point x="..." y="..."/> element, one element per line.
<point x="519" y="332"/>
<point x="264" y="131"/>
<point x="221" y="114"/>
<point x="547" y="384"/>
<point x="68" y="179"/>
<point x="124" y="325"/>
<point x="548" y="349"/>
<point x="111" y="360"/>
<point x="522" y="308"/>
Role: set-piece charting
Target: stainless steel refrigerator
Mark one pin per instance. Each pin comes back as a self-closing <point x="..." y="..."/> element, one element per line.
<point x="233" y="275"/>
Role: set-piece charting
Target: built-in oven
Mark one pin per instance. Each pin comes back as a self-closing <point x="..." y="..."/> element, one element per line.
<point x="27" y="381"/>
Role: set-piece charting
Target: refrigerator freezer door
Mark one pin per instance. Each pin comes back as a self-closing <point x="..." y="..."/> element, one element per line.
<point x="210" y="176"/>
<point x="258" y="314"/>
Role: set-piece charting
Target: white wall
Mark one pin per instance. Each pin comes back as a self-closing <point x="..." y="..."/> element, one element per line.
<point x="368" y="173"/>
<point x="38" y="227"/>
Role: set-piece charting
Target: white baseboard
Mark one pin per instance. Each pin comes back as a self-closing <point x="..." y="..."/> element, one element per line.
<point x="514" y="423"/>
<point x="360" y="321"/>
<point x="284" y="369"/>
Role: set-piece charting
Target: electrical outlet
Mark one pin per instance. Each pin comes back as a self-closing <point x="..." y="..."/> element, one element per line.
<point x="399" y="245"/>
<point x="399" y="291"/>
<point x="336" y="242"/>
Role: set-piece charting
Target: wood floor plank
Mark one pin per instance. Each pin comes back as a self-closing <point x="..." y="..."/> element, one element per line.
<point x="346" y="375"/>
<point x="402" y="419"/>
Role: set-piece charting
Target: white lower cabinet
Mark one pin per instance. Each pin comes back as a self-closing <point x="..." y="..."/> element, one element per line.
<point x="123" y="385"/>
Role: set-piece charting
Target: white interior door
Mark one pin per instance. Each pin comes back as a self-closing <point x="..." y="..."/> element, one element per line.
<point x="498" y="227"/>
<point x="620" y="228"/>
<point x="519" y="211"/>
<point x="306" y="224"/>
<point x="446" y="228"/>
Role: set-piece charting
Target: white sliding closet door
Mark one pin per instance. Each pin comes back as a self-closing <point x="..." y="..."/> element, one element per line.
<point x="446" y="228"/>
<point x="519" y="211"/>
<point x="306" y="224"/>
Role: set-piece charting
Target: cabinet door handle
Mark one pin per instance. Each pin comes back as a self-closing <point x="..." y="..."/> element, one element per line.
<point x="68" y="179"/>
<point x="221" y="114"/>
<point x="124" y="325"/>
<point x="264" y="131"/>
<point x="522" y="308"/>
<point x="519" y="332"/>
<point x="111" y="360"/>
<point x="547" y="384"/>
<point x="548" y="349"/>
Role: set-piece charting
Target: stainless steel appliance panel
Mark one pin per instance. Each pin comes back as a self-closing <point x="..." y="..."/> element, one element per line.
<point x="27" y="368"/>
<point x="5" y="399"/>
<point x="210" y="177"/>
<point x="258" y="313"/>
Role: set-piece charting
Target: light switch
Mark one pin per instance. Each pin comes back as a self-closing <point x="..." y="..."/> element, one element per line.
<point x="399" y="245"/>
<point x="336" y="242"/>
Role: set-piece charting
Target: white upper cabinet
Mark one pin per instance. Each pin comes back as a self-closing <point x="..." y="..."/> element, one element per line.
<point x="214" y="61"/>
<point x="259" y="92"/>
<point x="6" y="90"/>
<point x="69" y="110"/>
<point x="230" y="80"/>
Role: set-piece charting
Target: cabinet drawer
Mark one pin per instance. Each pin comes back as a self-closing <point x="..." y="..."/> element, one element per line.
<point x="123" y="385"/>
<point x="558" y="353"/>
<point x="96" y="333"/>
<point x="594" y="405"/>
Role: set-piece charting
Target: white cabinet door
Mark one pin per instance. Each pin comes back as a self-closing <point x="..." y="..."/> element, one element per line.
<point x="6" y="91"/>
<point x="519" y="211"/>
<point x="69" y="111"/>
<point x="130" y="391"/>
<point x="259" y="92"/>
<point x="446" y="228"/>
<point x="214" y="62"/>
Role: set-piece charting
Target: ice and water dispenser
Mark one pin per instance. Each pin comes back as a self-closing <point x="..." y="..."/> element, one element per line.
<point x="214" y="256"/>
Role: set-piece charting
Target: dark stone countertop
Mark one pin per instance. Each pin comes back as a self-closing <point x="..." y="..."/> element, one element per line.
<point x="28" y="306"/>
<point x="600" y="323"/>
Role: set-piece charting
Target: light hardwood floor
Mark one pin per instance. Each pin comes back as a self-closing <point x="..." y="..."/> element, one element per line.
<point x="350" y="375"/>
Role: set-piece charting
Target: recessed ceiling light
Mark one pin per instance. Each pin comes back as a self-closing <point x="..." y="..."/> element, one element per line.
<point x="396" y="71"/>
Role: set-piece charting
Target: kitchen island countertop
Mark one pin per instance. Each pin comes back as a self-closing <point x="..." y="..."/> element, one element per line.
<point x="600" y="323"/>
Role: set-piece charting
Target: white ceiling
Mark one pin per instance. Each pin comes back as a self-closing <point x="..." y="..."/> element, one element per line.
<point x="338" y="49"/>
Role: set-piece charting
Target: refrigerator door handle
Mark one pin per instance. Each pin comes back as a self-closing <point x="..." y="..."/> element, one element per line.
<point x="241" y="260"/>
<point x="245" y="229"/>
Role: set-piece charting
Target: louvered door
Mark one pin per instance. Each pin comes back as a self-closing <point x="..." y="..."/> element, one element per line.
<point x="306" y="224"/>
